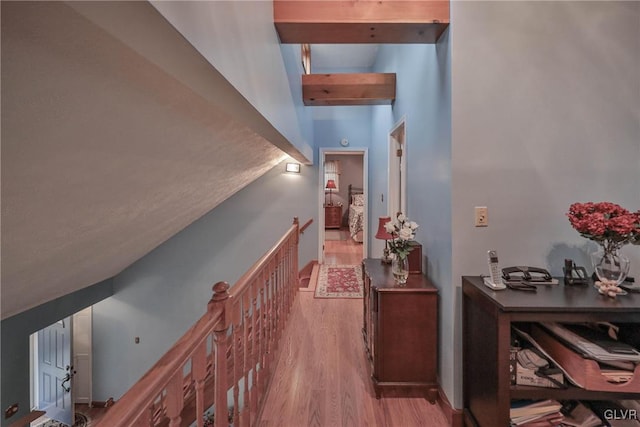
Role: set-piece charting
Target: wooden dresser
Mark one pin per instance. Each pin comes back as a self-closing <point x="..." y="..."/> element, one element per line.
<point x="332" y="216"/>
<point x="400" y="332"/>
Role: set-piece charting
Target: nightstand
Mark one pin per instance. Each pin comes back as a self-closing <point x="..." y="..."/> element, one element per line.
<point x="332" y="216"/>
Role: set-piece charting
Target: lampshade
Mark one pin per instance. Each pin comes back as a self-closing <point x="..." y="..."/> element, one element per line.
<point x="382" y="233"/>
<point x="331" y="184"/>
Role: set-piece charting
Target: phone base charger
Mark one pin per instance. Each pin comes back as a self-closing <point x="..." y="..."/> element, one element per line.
<point x="495" y="286"/>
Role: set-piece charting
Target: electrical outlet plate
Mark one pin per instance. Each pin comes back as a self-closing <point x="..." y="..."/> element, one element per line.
<point x="481" y="216"/>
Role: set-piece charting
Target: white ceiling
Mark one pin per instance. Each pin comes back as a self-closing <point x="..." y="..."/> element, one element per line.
<point x="110" y="149"/>
<point x="327" y="56"/>
<point x="110" y="145"/>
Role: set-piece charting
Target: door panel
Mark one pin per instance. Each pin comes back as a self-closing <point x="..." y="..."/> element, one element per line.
<point x="82" y="356"/>
<point x="56" y="370"/>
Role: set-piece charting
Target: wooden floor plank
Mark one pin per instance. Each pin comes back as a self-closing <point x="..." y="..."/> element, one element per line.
<point x="325" y="359"/>
<point x="321" y="377"/>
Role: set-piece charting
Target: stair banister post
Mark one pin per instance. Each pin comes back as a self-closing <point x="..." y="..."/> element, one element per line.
<point x="219" y="303"/>
<point x="199" y="368"/>
<point x="296" y="222"/>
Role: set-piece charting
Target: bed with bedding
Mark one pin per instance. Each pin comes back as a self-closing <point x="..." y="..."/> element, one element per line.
<point x="356" y="213"/>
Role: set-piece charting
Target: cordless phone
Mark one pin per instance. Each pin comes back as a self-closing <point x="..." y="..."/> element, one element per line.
<point x="494" y="281"/>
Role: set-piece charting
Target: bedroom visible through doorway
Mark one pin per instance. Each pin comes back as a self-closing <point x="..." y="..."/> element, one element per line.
<point x="343" y="207"/>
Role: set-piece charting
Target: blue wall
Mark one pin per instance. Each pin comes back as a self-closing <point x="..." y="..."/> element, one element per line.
<point x="160" y="296"/>
<point x="332" y="124"/>
<point x="382" y="121"/>
<point x="423" y="98"/>
<point x="292" y="57"/>
<point x="545" y="114"/>
<point x="15" y="341"/>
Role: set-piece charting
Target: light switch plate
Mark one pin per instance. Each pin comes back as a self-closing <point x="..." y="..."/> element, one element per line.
<point x="481" y="216"/>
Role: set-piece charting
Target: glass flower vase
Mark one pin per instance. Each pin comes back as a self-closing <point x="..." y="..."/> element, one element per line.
<point x="400" y="270"/>
<point x="610" y="265"/>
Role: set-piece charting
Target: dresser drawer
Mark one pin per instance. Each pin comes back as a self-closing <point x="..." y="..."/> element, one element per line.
<point x="332" y="216"/>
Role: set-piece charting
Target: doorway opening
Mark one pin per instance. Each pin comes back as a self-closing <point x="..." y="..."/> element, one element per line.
<point x="343" y="206"/>
<point x="397" y="200"/>
<point x="60" y="365"/>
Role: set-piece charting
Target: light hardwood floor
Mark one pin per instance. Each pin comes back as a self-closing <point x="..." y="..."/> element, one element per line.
<point x="322" y="376"/>
<point x="345" y="251"/>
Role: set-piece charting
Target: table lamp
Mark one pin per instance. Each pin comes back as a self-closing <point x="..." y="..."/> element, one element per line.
<point x="383" y="234"/>
<point x="331" y="185"/>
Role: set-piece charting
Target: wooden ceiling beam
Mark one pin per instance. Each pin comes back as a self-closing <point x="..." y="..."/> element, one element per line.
<point x="349" y="89"/>
<point x="360" y="21"/>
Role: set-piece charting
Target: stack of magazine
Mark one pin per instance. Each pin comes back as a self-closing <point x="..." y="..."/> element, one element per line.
<point x="578" y="415"/>
<point x="617" y="359"/>
<point x="525" y="413"/>
<point x="573" y="413"/>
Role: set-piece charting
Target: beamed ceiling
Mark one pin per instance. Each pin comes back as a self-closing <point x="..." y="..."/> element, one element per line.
<point x="117" y="133"/>
<point x="364" y="22"/>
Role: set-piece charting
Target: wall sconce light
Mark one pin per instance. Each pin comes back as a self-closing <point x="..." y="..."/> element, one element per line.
<point x="292" y="168"/>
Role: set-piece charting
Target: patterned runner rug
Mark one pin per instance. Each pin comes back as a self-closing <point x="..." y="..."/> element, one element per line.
<point x="339" y="281"/>
<point x="81" y="421"/>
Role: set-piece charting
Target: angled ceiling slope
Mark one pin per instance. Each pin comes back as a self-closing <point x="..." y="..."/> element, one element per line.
<point x="116" y="134"/>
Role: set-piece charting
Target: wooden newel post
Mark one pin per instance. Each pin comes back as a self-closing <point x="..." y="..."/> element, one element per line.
<point x="296" y="222"/>
<point x="220" y="295"/>
<point x="218" y="302"/>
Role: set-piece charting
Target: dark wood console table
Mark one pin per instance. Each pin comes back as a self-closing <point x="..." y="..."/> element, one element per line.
<point x="487" y="319"/>
<point x="400" y="332"/>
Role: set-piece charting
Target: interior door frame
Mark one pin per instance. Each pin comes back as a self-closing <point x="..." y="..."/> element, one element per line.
<point x="34" y="355"/>
<point x="397" y="135"/>
<point x="324" y="151"/>
<point x="52" y="410"/>
<point x="83" y="354"/>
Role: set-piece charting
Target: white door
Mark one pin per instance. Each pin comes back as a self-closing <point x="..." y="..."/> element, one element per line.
<point x="82" y="356"/>
<point x="55" y="371"/>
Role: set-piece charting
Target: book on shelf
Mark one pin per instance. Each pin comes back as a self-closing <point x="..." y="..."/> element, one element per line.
<point x="551" y="420"/>
<point x="594" y="344"/>
<point x="630" y="404"/>
<point x="537" y="378"/>
<point x="513" y="364"/>
<point x="524" y="412"/>
<point x="576" y="414"/>
<point x="552" y="376"/>
<point x="614" y="413"/>
<point x="584" y="371"/>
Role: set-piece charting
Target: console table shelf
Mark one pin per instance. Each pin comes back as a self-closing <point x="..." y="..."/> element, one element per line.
<point x="400" y="332"/>
<point x="487" y="319"/>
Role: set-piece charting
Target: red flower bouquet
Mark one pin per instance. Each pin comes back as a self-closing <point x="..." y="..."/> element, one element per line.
<point x="608" y="224"/>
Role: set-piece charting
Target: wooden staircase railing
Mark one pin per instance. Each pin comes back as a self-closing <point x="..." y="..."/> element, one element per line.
<point x="306" y="225"/>
<point x="226" y="358"/>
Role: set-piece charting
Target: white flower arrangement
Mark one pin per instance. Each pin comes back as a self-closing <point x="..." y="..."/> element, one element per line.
<point x="403" y="231"/>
